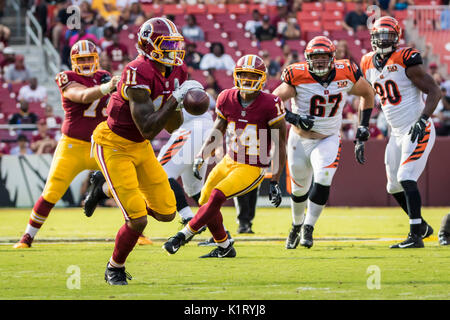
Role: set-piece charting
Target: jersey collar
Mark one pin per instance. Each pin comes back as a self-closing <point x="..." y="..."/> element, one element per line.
<point x="325" y="83"/>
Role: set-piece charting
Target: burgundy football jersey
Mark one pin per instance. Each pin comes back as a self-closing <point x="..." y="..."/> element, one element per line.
<point x="140" y="73"/>
<point x="80" y="120"/>
<point x="248" y="130"/>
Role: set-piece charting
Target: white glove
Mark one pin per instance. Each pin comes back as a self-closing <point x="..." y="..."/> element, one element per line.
<point x="180" y="91"/>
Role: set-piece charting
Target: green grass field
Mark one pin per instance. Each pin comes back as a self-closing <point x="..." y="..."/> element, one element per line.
<point x="349" y="242"/>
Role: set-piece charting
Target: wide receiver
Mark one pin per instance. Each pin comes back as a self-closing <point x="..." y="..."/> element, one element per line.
<point x="148" y="100"/>
<point x="318" y="89"/>
<point x="248" y="115"/>
<point x="399" y="80"/>
<point x="84" y="93"/>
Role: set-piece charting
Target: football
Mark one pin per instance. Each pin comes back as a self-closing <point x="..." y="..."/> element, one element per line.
<point x="196" y="102"/>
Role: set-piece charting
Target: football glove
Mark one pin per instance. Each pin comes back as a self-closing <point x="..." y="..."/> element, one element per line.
<point x="359" y="151"/>
<point x="417" y="131"/>
<point x="304" y="122"/>
<point x="108" y="84"/>
<point x="198" y="163"/>
<point x="275" y="193"/>
<point x="362" y="134"/>
<point x="180" y="91"/>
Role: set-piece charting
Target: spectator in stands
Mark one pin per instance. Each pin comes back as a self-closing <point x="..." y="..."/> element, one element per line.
<point x="87" y="14"/>
<point x="82" y="34"/>
<point x="444" y="22"/>
<point x="291" y="30"/>
<point x="279" y="21"/>
<point x="5" y="33"/>
<point x="51" y="119"/>
<point x="192" y="56"/>
<point x="356" y="20"/>
<point x="22" y="147"/>
<point x="17" y="72"/>
<point x="343" y="52"/>
<point x="212" y="85"/>
<point x="400" y="4"/>
<point x="32" y="92"/>
<point x="255" y="22"/>
<point x="107" y="38"/>
<point x="9" y="57"/>
<point x="105" y="62"/>
<point x="24" y="116"/>
<point x="108" y="10"/>
<point x="217" y="59"/>
<point x="273" y="65"/>
<point x="61" y="18"/>
<point x="117" y="52"/>
<point x="132" y="12"/>
<point x="43" y="141"/>
<point x="266" y="31"/>
<point x="191" y="31"/>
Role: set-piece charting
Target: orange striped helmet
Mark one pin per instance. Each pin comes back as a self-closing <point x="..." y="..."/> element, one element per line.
<point x="250" y="63"/>
<point x="320" y="46"/>
<point x="159" y="40"/>
<point x="83" y="50"/>
<point x="385" y="35"/>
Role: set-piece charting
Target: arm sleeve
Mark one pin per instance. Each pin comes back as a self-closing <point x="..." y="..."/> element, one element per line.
<point x="356" y="71"/>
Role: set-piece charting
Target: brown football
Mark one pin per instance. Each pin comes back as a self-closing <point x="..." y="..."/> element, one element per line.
<point x="196" y="102"/>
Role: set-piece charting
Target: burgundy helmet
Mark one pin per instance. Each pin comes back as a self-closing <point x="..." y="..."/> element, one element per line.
<point x="159" y="40"/>
<point x="253" y="64"/>
<point x="84" y="49"/>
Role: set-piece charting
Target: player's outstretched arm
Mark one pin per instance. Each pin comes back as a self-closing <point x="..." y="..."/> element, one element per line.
<point x="427" y="85"/>
<point x="284" y="91"/>
<point x="148" y="121"/>
<point x="78" y="93"/>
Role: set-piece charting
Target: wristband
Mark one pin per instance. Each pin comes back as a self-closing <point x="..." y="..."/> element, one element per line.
<point x="105" y="88"/>
<point x="424" y="116"/>
<point x="365" y="117"/>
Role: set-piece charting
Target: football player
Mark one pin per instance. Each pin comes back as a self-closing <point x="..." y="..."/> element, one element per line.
<point x="248" y="115"/>
<point x="444" y="231"/>
<point x="148" y="100"/>
<point x="399" y="79"/>
<point x="318" y="89"/>
<point x="84" y="93"/>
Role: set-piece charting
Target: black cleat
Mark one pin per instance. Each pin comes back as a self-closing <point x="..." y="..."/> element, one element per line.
<point x="94" y="194"/>
<point x="413" y="241"/>
<point x="293" y="239"/>
<point x="426" y="230"/>
<point x="174" y="243"/>
<point x="245" y="228"/>
<point x="116" y="276"/>
<point x="306" y="236"/>
<point x="220" y="252"/>
<point x="184" y="222"/>
<point x="444" y="238"/>
<point x="210" y="242"/>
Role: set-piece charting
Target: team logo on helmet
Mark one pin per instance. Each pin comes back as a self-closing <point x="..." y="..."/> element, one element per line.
<point x="159" y="40"/>
<point x="84" y="58"/>
<point x="250" y="64"/>
<point x="320" y="46"/>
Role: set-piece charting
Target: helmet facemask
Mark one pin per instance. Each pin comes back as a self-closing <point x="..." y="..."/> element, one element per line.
<point x="249" y="84"/>
<point x="320" y="63"/>
<point x="167" y="50"/>
<point x="384" y="41"/>
<point x="85" y="68"/>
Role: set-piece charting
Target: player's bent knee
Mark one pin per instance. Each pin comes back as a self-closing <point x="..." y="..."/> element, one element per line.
<point x="409" y="185"/>
<point x="324" y="178"/>
<point x="138" y="224"/>
<point x="393" y="188"/>
<point x="299" y="198"/>
<point x="164" y="217"/>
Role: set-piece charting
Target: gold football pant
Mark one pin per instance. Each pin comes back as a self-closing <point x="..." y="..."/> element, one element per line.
<point x="232" y="178"/>
<point x="135" y="177"/>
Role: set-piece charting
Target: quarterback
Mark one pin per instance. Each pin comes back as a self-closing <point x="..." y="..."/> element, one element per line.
<point x="247" y="115"/>
<point x="318" y="89"/>
<point x="84" y="92"/>
<point x="399" y="80"/>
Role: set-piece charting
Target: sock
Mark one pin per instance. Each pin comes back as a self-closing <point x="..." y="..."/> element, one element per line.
<point x="39" y="214"/>
<point x="414" y="204"/>
<point x="187" y="231"/>
<point x="179" y="194"/>
<point x="298" y="205"/>
<point x="313" y="212"/>
<point x="208" y="211"/>
<point x="401" y="200"/>
<point x="106" y="191"/>
<point x="224" y="244"/>
<point x="126" y="239"/>
<point x="217" y="229"/>
<point x="186" y="213"/>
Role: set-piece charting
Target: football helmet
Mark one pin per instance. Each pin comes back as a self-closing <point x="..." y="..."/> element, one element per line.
<point x="385" y="35"/>
<point x="159" y="40"/>
<point x="81" y="50"/>
<point x="253" y="64"/>
<point x="323" y="46"/>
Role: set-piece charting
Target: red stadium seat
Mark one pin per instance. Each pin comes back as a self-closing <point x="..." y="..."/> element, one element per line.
<point x="312" y="34"/>
<point x="334" y="6"/>
<point x="262" y="8"/>
<point x="332" y="25"/>
<point x="340" y="34"/>
<point x="237" y="8"/>
<point x="332" y="15"/>
<point x="196" y="9"/>
<point x="298" y="45"/>
<point x="308" y="26"/>
<point x="216" y="8"/>
<point x="224" y="79"/>
<point x="155" y="9"/>
<point x="272" y="47"/>
<point x="173" y="9"/>
<point x="312" y="6"/>
<point x="272" y="84"/>
<point x="303" y="16"/>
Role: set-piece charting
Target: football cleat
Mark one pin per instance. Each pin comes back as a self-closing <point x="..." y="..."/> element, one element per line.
<point x="426" y="230"/>
<point x="143" y="240"/>
<point x="293" y="239"/>
<point x="412" y="241"/>
<point x="210" y="242"/>
<point x="220" y="252"/>
<point x="116" y="276"/>
<point x="174" y="243"/>
<point x="245" y="228"/>
<point x="95" y="193"/>
<point x="306" y="236"/>
<point x="24" y="243"/>
<point x="444" y="238"/>
<point x="184" y="222"/>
